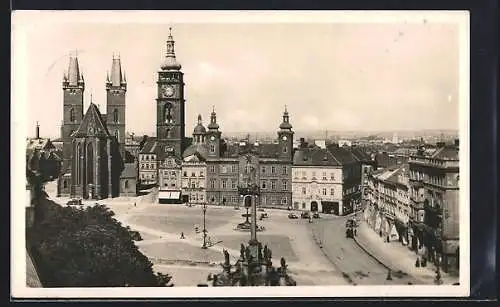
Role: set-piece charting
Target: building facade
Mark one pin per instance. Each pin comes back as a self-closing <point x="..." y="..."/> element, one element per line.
<point x="326" y="180"/>
<point x="434" y="198"/>
<point x="148" y="163"/>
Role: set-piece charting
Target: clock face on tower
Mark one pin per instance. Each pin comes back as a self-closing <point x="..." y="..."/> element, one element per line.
<point x="284" y="138"/>
<point x="167" y="91"/>
<point x="212" y="138"/>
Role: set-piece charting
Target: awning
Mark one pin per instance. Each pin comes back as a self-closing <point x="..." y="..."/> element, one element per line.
<point x="169" y="195"/>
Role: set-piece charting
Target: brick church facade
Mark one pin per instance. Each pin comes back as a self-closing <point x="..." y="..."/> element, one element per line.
<point x="94" y="157"/>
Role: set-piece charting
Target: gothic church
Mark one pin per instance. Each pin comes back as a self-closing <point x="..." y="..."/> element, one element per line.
<point x="94" y="165"/>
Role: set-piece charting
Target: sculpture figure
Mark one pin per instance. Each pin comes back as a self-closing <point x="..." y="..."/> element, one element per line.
<point x="226" y="257"/>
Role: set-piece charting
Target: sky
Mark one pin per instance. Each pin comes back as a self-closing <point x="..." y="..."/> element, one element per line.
<point x="341" y="76"/>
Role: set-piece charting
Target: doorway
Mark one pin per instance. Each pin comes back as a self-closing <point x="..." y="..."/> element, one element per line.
<point x="314" y="206"/>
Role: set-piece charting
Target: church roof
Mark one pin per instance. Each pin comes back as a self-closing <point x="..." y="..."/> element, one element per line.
<point x="92" y="124"/>
<point x="329" y="156"/>
<point x="40" y="143"/>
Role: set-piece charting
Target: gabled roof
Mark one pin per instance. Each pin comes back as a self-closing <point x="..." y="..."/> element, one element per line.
<point x="446" y="153"/>
<point x="360" y="155"/>
<point x="40" y="143"/>
<point x="195" y="157"/>
<point x="383" y="160"/>
<point x="149" y="146"/>
<point x="316" y="156"/>
<point x="92" y="124"/>
<point x="200" y="149"/>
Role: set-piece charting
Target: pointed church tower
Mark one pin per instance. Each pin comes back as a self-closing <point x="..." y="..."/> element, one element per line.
<point x="116" y="88"/>
<point x="285" y="137"/>
<point x="213" y="136"/>
<point x="73" y="87"/>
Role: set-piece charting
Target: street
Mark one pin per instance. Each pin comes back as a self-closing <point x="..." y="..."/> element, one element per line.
<point x="356" y="265"/>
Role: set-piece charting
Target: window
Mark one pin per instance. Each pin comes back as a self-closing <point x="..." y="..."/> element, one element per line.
<point x="332" y="191"/>
<point x="201" y="197"/>
<point x="223" y="184"/>
<point x="273" y="169"/>
<point x="304" y="175"/>
<point x="65" y="184"/>
<point x="185" y="174"/>
<point x="212" y="183"/>
<point x="173" y="185"/>
<point x="223" y="169"/>
<point x="233" y="168"/>
<point x="324" y="191"/>
<point x="313" y="175"/>
<point x="72" y="115"/>
<point x="212" y="168"/>
<point x="166" y="184"/>
<point x="193" y="185"/>
<point x="212" y="148"/>
<point x="324" y="175"/>
<point x="284" y="149"/>
<point x="273" y="185"/>
<point x="303" y="205"/>
<point x="201" y="174"/>
<point x="263" y="170"/>
<point x="193" y="174"/>
<point x="332" y="176"/>
<point x="173" y="174"/>
<point x="115" y="115"/>
<point x="117" y="136"/>
<point x="263" y="184"/>
<point x="146" y="158"/>
<point x="284" y="170"/>
<point x="285" y="187"/>
<point x="296" y="175"/>
<point x="284" y="201"/>
<point x="304" y="191"/>
<point x="233" y="184"/>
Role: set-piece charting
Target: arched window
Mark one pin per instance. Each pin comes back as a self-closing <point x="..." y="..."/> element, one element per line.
<point x="90" y="163"/>
<point x="71" y="115"/>
<point x="126" y="184"/>
<point x="115" y="115"/>
<point x="65" y="184"/>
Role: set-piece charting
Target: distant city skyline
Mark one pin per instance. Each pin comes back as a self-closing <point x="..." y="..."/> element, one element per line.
<point x="369" y="76"/>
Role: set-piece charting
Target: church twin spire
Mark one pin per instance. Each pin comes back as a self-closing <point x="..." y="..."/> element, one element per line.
<point x="73" y="76"/>
<point x="117" y="77"/>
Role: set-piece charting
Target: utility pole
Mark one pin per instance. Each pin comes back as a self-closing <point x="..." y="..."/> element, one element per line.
<point x="204" y="209"/>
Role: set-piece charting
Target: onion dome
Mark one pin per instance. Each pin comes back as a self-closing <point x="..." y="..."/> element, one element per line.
<point x="170" y="60"/>
<point x="213" y="121"/>
<point x="199" y="129"/>
<point x="285" y="125"/>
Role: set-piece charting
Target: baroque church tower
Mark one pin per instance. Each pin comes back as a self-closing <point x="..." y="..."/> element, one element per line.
<point x="116" y="88"/>
<point x="73" y="87"/>
<point x="170" y="104"/>
<point x="213" y="136"/>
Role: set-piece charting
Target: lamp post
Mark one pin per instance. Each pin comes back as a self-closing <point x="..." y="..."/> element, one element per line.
<point x="204" y="209"/>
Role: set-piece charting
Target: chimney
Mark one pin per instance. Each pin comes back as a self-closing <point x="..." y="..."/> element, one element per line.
<point x="456" y="142"/>
<point x="37" y="133"/>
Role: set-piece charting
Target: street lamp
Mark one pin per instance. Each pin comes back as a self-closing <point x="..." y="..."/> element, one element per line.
<point x="204" y="209"/>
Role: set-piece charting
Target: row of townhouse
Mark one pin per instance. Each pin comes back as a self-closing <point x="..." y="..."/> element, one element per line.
<point x="326" y="179"/>
<point x="417" y="203"/>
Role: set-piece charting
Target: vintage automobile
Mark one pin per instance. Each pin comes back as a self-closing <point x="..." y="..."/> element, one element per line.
<point x="264" y="215"/>
<point x="305" y="215"/>
<point x="292" y="216"/>
<point x="74" y="202"/>
<point x="316" y="215"/>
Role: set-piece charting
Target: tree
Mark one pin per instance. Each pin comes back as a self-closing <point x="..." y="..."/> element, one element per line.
<point x="89" y="248"/>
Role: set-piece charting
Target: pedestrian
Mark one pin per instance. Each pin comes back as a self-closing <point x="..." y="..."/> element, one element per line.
<point x="424" y="261"/>
<point x="182" y="235"/>
<point x="135" y="205"/>
<point x="355" y="231"/>
<point x="417" y="263"/>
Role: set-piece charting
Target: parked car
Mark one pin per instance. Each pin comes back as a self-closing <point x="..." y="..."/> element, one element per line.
<point x="292" y="216"/>
<point x="74" y="202"/>
<point x="305" y="215"/>
<point x="264" y="215"/>
<point x="261" y="210"/>
<point x="316" y="215"/>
